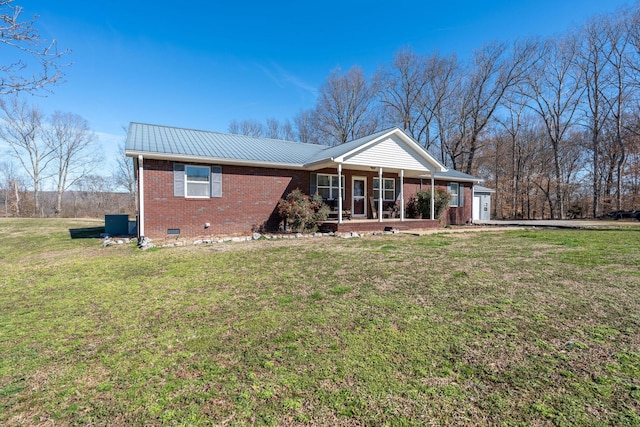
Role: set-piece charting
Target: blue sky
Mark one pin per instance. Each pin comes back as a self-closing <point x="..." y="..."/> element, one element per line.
<point x="200" y="64"/>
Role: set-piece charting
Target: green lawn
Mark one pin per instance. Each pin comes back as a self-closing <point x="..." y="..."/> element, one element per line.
<point x="526" y="327"/>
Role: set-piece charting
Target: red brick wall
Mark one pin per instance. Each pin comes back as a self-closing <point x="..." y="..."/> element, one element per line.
<point x="461" y="215"/>
<point x="452" y="215"/>
<point x="249" y="199"/>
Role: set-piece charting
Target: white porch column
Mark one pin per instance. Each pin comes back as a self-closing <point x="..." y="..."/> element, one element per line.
<point x="380" y="195"/>
<point x="339" y="193"/>
<point x="433" y="187"/>
<point x="140" y="196"/>
<point x="401" y="194"/>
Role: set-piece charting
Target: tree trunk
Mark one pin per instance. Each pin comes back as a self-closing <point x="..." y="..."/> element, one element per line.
<point x="596" y="178"/>
<point x="17" y="193"/>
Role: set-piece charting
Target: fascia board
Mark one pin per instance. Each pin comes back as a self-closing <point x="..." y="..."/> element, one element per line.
<point x="217" y="160"/>
<point x="453" y="179"/>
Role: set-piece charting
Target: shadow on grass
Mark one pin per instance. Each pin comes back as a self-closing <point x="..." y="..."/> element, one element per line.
<point x="86" y="233"/>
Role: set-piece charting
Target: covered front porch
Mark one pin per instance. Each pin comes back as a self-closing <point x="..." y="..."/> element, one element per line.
<point x="372" y="225"/>
<point x="368" y="183"/>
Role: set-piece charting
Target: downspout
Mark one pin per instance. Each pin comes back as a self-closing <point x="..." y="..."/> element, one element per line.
<point x="379" y="195"/>
<point x="401" y="194"/>
<point x="140" y="198"/>
<point x="433" y="187"/>
<point x="339" y="193"/>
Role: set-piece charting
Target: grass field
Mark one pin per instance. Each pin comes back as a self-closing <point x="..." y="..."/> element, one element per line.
<point x="525" y="327"/>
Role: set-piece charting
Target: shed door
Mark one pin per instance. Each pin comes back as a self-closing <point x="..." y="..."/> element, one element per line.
<point x="476" y="207"/>
<point x="485" y="207"/>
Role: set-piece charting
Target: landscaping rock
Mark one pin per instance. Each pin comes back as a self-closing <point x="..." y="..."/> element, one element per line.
<point x="144" y="243"/>
<point x="350" y="235"/>
<point x="256" y="236"/>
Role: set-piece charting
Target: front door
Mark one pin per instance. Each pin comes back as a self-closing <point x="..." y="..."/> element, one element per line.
<point x="359" y="207"/>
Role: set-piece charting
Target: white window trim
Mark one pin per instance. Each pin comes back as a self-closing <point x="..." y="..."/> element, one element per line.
<point x="187" y="182"/>
<point x="330" y="186"/>
<point x="393" y="180"/>
<point x="455" y="201"/>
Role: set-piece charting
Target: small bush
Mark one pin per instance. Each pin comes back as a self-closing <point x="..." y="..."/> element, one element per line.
<point x="411" y="210"/>
<point x="441" y="200"/>
<point x="301" y="212"/>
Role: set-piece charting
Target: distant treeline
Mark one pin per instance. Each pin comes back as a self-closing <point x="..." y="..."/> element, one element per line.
<point x="76" y="204"/>
<point x="552" y="124"/>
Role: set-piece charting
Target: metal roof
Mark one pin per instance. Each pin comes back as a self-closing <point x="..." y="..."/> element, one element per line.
<point x="164" y="140"/>
<point x="481" y="189"/>
<point x="179" y="143"/>
<point x="456" y="175"/>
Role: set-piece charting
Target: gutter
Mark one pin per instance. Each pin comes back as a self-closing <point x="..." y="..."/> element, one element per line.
<point x="216" y="160"/>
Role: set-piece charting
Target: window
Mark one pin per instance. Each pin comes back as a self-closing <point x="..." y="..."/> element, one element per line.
<point x="197" y="181"/>
<point x="327" y="186"/>
<point x="388" y="189"/>
<point x="457" y="194"/>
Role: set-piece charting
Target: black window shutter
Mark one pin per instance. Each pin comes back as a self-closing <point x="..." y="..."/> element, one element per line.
<point x="313" y="184"/>
<point x="461" y="195"/>
<point x="216" y="181"/>
<point x="178" y="180"/>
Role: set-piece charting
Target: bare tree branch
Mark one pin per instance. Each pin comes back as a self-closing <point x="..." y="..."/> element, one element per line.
<point x="37" y="64"/>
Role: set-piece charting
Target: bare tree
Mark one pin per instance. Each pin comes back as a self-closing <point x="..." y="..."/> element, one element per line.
<point x="441" y="101"/>
<point x="632" y="27"/>
<point x="70" y="140"/>
<point x="496" y="69"/>
<point x="279" y="130"/>
<point x="286" y="131"/>
<point x="35" y="63"/>
<point x="273" y="128"/>
<point x="234" y="127"/>
<point x="621" y="91"/>
<point x="554" y="88"/>
<point x="248" y="127"/>
<point x="306" y="128"/>
<point x="124" y="176"/>
<point x="22" y="130"/>
<point x="443" y="86"/>
<point x="401" y="85"/>
<point x="592" y="60"/>
<point x="344" y="109"/>
<point x="513" y="123"/>
<point x="12" y="188"/>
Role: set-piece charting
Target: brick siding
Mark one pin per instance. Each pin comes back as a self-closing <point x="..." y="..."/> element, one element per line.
<point x="248" y="203"/>
<point x="249" y="199"/>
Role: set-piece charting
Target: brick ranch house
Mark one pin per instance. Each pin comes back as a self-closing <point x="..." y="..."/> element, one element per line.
<point x="198" y="183"/>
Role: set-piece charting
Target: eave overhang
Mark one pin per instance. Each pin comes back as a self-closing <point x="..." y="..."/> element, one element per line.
<point x="213" y="160"/>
